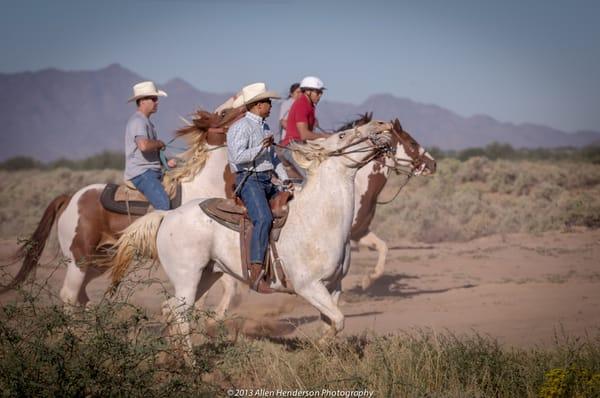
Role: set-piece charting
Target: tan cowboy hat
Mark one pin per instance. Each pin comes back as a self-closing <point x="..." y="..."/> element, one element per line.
<point x="146" y="89"/>
<point x="256" y="92"/>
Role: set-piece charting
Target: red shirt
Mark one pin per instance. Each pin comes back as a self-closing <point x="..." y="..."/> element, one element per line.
<point x="302" y="111"/>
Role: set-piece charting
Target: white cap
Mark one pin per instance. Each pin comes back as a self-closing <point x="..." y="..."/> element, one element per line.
<point x="312" y="82"/>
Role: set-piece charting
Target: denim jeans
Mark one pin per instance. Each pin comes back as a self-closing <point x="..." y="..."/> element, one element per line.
<point x="149" y="183"/>
<point x="256" y="192"/>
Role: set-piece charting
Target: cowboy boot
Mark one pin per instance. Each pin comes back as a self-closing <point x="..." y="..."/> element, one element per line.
<point x="257" y="279"/>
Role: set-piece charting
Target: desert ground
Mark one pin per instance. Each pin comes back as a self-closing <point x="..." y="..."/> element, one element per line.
<point x="524" y="290"/>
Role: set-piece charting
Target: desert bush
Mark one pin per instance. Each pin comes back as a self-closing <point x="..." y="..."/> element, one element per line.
<point x="462" y="201"/>
<point x="479" y="197"/>
<point x="117" y="349"/>
<point x="25" y="194"/>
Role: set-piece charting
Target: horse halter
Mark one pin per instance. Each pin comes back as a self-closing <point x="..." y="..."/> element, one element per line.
<point x="380" y="141"/>
<point x="411" y="148"/>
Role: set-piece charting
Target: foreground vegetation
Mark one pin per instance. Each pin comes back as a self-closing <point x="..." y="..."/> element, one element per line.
<point x="116" y="349"/>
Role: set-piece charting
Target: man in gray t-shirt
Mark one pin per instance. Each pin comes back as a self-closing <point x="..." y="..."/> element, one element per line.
<point x="142" y="146"/>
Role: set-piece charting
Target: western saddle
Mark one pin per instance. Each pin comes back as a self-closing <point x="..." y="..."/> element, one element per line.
<point x="233" y="214"/>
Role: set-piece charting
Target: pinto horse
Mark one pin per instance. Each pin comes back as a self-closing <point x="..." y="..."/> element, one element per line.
<point x="85" y="228"/>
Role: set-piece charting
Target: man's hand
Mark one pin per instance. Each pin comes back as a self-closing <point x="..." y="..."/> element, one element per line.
<point x="267" y="141"/>
<point x="172" y="163"/>
<point x="288" y="185"/>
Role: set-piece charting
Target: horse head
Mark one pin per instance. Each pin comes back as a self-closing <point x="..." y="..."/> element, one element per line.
<point x="408" y="154"/>
<point x="355" y="147"/>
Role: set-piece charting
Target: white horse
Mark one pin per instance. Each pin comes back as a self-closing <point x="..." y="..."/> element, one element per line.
<point x="195" y="251"/>
<point x="409" y="158"/>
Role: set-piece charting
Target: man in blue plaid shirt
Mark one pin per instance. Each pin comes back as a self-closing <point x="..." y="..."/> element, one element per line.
<point x="252" y="158"/>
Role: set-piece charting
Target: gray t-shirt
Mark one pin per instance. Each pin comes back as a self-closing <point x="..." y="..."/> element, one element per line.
<point x="283" y="112"/>
<point x="136" y="161"/>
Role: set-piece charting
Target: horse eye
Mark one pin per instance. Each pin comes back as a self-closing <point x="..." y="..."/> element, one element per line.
<point x="342" y="135"/>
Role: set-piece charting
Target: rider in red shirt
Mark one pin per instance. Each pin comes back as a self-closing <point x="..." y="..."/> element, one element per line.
<point x="301" y="118"/>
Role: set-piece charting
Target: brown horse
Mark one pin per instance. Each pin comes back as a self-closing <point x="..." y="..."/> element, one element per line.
<point x="85" y="228"/>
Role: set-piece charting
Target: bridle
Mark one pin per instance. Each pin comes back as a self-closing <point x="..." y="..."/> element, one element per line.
<point x="378" y="142"/>
<point x="405" y="166"/>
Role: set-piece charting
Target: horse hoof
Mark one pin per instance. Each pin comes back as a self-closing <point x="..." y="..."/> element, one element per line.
<point x="366" y="282"/>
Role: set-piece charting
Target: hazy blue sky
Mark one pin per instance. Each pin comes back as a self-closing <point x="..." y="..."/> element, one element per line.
<point x="517" y="61"/>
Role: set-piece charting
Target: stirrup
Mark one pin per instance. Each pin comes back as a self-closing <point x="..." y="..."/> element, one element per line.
<point x="258" y="280"/>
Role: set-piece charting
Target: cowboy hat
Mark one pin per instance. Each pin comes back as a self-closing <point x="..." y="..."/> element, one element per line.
<point x="146" y="89"/>
<point x="256" y="92"/>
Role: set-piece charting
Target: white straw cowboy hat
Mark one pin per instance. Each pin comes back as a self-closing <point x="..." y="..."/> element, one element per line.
<point x="256" y="92"/>
<point x="146" y="89"/>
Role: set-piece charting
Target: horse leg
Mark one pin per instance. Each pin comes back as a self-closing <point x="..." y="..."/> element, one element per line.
<point x="206" y="282"/>
<point x="334" y="289"/>
<point x="372" y="240"/>
<point x="335" y="286"/>
<point x="186" y="278"/>
<point x="230" y="292"/>
<point x="71" y="292"/>
<point x="178" y="310"/>
<point x="318" y="295"/>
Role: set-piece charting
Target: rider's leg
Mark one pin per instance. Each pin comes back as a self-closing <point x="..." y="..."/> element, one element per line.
<point x="149" y="183"/>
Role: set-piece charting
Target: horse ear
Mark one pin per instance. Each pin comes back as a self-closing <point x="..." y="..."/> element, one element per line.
<point x="370" y="116"/>
<point x="398" y="126"/>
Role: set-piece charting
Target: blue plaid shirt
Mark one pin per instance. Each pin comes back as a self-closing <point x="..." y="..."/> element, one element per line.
<point x="244" y="143"/>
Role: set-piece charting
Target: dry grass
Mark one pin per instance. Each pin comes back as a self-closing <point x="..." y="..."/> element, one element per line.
<point x="466" y="200"/>
<point x="463" y="201"/>
<point x="25" y="194"/>
<point x="117" y="349"/>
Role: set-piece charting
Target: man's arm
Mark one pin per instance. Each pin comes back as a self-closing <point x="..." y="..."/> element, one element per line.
<point x="283" y="123"/>
<point x="148" y="145"/>
<point x="306" y="134"/>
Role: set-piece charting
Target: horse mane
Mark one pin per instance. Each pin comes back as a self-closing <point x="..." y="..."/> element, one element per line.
<point x="362" y="119"/>
<point x="312" y="153"/>
<point x="196" y="135"/>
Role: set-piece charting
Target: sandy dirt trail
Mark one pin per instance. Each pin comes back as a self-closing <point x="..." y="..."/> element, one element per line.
<point x="521" y="289"/>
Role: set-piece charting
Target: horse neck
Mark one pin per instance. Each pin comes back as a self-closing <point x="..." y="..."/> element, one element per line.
<point x="330" y="187"/>
<point x="209" y="181"/>
<point x="373" y="177"/>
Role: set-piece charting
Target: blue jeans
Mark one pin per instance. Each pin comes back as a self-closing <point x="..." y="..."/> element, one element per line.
<point x="256" y="192"/>
<point x="149" y="183"/>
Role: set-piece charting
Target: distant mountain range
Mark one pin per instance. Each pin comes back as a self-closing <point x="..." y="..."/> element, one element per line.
<point x="53" y="113"/>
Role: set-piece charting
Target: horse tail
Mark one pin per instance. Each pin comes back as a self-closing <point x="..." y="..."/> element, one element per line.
<point x="139" y="239"/>
<point x="31" y="250"/>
